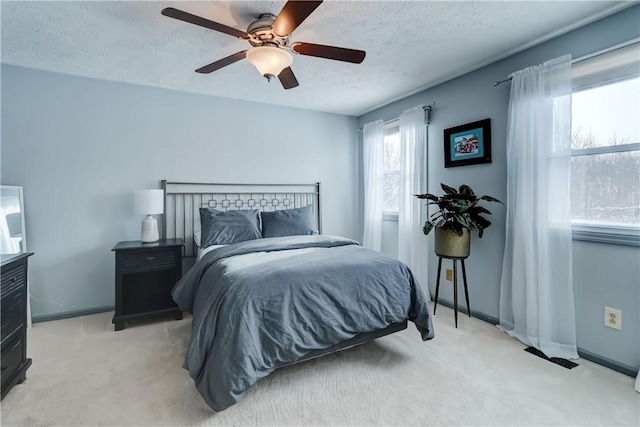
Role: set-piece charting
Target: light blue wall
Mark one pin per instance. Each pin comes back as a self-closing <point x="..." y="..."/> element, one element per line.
<point x="604" y="275"/>
<point x="80" y="147"/>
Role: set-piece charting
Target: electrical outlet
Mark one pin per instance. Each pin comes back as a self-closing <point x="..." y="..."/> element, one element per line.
<point x="613" y="318"/>
<point x="449" y="274"/>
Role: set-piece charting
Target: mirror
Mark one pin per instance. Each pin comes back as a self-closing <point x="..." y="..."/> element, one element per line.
<point x="13" y="239"/>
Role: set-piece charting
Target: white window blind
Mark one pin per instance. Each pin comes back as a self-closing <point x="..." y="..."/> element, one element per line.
<point x="614" y="65"/>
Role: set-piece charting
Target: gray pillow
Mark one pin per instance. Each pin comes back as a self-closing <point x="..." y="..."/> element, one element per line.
<point x="288" y="222"/>
<point x="225" y="228"/>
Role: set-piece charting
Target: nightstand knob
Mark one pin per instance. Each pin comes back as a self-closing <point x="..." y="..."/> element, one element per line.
<point x="150" y="258"/>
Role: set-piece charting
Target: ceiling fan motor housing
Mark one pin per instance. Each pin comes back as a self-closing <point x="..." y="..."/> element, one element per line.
<point x="260" y="33"/>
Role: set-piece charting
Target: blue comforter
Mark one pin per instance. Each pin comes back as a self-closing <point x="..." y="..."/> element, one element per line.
<point x="265" y="303"/>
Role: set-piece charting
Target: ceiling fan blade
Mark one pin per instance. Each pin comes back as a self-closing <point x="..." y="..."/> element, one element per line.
<point x="292" y="15"/>
<point x="198" y="20"/>
<point x="222" y="63"/>
<point x="329" y="52"/>
<point x="288" y="79"/>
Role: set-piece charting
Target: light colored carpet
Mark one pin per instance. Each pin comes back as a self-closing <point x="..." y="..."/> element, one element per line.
<point x="86" y="374"/>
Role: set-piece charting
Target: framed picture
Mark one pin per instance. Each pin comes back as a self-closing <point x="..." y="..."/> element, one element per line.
<point x="468" y="144"/>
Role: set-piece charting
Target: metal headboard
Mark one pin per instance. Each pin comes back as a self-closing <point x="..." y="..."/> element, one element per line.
<point x="183" y="200"/>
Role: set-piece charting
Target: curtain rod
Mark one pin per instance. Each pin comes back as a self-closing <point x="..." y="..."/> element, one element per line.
<point x="585" y="57"/>
<point x="508" y="79"/>
<point x="424" y="107"/>
<point x="502" y="81"/>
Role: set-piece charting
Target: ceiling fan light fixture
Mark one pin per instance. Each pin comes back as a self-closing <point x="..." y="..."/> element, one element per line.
<point x="269" y="60"/>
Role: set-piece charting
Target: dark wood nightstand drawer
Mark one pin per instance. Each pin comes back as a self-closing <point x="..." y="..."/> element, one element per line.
<point x="12" y="280"/>
<point x="12" y="357"/>
<point x="143" y="260"/>
<point x="12" y="315"/>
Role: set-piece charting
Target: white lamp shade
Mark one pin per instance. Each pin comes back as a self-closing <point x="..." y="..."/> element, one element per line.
<point x="149" y="202"/>
<point x="269" y="60"/>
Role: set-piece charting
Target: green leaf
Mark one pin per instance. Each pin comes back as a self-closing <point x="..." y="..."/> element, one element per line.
<point x="460" y="203"/>
<point x="458" y="196"/>
<point x="427" y="196"/>
<point x="447" y="189"/>
<point x="457" y="228"/>
<point x="466" y="190"/>
<point x="428" y="226"/>
<point x="480" y="221"/>
<point x="462" y="220"/>
<point x="490" y="199"/>
<point x="443" y="204"/>
<point x="478" y="210"/>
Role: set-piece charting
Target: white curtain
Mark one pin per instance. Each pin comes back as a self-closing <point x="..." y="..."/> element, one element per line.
<point x="637" y="386"/>
<point x="412" y="243"/>
<point x="373" y="169"/>
<point x="536" y="294"/>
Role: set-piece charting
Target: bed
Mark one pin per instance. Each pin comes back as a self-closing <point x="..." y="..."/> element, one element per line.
<point x="269" y="290"/>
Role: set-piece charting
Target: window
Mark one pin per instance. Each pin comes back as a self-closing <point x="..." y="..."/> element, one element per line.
<point x="391" y="188"/>
<point x="605" y="145"/>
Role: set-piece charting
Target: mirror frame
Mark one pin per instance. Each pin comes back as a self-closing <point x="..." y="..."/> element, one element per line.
<point x="23" y="242"/>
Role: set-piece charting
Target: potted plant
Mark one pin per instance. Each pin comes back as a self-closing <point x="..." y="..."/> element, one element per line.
<point x="458" y="214"/>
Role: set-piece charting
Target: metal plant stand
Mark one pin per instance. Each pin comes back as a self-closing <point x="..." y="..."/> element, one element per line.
<point x="455" y="285"/>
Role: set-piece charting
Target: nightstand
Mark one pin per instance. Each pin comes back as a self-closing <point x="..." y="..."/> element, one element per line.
<point x="145" y="276"/>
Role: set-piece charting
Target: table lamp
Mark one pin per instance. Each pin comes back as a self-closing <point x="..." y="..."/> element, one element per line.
<point x="149" y="202"/>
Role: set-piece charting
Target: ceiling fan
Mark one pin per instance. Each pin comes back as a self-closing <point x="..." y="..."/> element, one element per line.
<point x="269" y="37"/>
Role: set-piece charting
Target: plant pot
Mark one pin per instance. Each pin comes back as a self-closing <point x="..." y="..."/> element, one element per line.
<point x="449" y="245"/>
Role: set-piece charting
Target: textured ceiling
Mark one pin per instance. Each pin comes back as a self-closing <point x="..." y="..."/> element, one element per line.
<point x="410" y="45"/>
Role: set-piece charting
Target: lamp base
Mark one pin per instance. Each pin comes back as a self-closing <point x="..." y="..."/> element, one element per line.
<point x="149" y="232"/>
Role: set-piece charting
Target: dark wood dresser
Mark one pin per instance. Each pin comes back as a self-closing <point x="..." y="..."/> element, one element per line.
<point x="145" y="275"/>
<point x="14" y="320"/>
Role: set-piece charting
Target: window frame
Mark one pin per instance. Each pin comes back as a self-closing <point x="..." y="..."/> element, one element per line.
<point x="602" y="232"/>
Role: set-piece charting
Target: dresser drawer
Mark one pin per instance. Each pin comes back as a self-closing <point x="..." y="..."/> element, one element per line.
<point x="144" y="260"/>
<point x="12" y="315"/>
<point x="12" y="280"/>
<point x="12" y="357"/>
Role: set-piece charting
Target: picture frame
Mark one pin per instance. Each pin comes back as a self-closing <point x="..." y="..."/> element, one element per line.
<point x="468" y="144"/>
